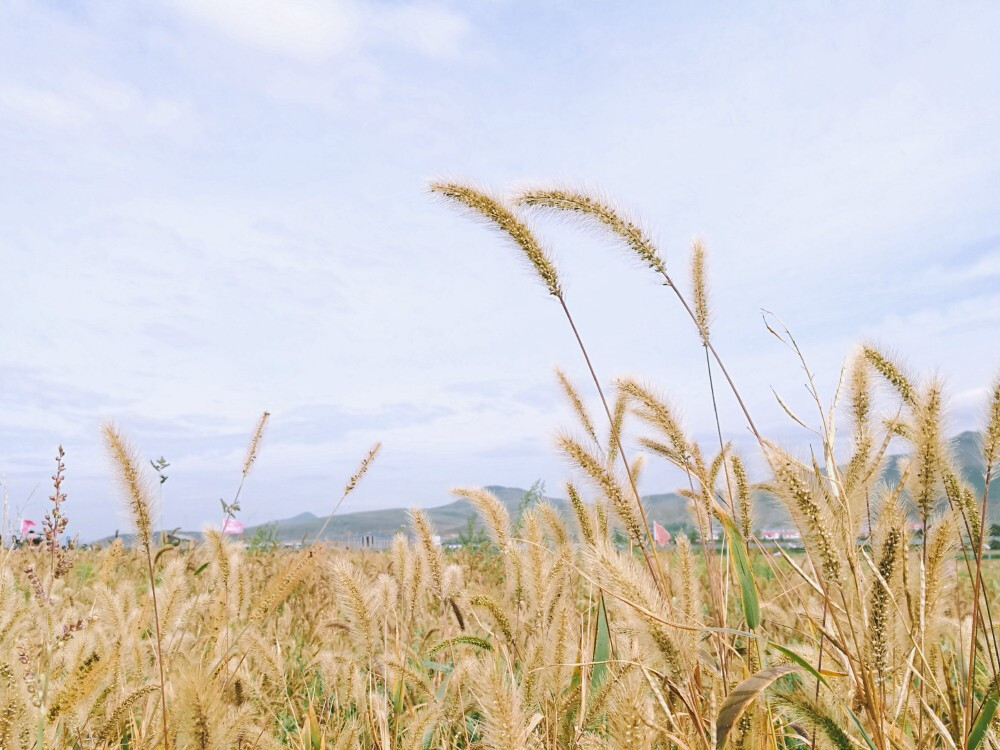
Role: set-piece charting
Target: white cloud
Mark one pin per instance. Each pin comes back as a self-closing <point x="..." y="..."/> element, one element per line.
<point x="84" y="101"/>
<point x="300" y="29"/>
<point x="313" y="31"/>
<point x="980" y="268"/>
<point x="942" y="317"/>
<point x="41" y="106"/>
<point x="430" y="30"/>
<point x="114" y="101"/>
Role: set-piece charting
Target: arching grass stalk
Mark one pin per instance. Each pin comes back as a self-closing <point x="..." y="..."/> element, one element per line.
<point x="252" y="451"/>
<point x="497" y="214"/>
<point x="349" y="487"/>
<point x="699" y="293"/>
<point x="597" y="210"/>
<point x="135" y="488"/>
<point x="699" y="288"/>
<point x="230" y="509"/>
<point x="600" y="211"/>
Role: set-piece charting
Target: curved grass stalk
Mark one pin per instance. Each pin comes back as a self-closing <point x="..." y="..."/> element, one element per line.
<point x="496" y="213"/>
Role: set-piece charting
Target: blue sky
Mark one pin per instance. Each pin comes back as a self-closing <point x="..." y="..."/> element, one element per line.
<point x="213" y="208"/>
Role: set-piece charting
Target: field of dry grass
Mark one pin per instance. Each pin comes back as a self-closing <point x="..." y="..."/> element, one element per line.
<point x="561" y="631"/>
<point x="538" y="641"/>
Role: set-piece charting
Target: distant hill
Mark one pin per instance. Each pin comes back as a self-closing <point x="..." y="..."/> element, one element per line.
<point x="449" y="520"/>
<point x="669" y="508"/>
<point x="967" y="451"/>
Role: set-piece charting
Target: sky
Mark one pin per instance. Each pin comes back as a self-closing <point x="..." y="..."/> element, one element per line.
<point x="212" y="208"/>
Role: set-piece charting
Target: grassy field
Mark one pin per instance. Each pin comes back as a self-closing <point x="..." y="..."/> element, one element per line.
<point x="534" y="640"/>
<point x="565" y="626"/>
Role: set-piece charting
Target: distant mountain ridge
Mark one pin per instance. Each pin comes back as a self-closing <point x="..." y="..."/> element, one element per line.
<point x="449" y="519"/>
<point x="669" y="508"/>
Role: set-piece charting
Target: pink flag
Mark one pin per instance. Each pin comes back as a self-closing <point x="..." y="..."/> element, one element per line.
<point x="26" y="526"/>
<point x="232" y="526"/>
<point x="660" y="535"/>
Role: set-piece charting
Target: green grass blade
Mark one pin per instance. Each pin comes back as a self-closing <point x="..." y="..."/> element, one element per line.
<point x="744" y="573"/>
<point x="742" y="696"/>
<point x="982" y="723"/>
<point x="602" y="645"/>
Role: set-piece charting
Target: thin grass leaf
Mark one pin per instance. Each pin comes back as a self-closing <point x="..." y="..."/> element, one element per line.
<point x="982" y="723"/>
<point x="742" y="696"/>
<point x="744" y="572"/>
<point x="602" y="645"/>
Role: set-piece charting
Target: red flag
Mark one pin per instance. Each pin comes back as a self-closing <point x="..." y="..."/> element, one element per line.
<point x="232" y="526"/>
<point x="660" y="535"/>
<point x="26" y="526"/>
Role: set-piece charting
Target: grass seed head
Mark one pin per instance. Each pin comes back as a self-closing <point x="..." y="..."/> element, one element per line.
<point x="255" y="439"/>
<point x="602" y="212"/>
<point x="498" y="214"/>
<point x="132" y="480"/>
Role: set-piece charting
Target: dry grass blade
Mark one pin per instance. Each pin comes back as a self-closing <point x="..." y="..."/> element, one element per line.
<point x="742" y="696"/>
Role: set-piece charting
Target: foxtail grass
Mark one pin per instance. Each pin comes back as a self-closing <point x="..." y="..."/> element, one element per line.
<point x="351" y="485"/>
<point x="137" y="492"/>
